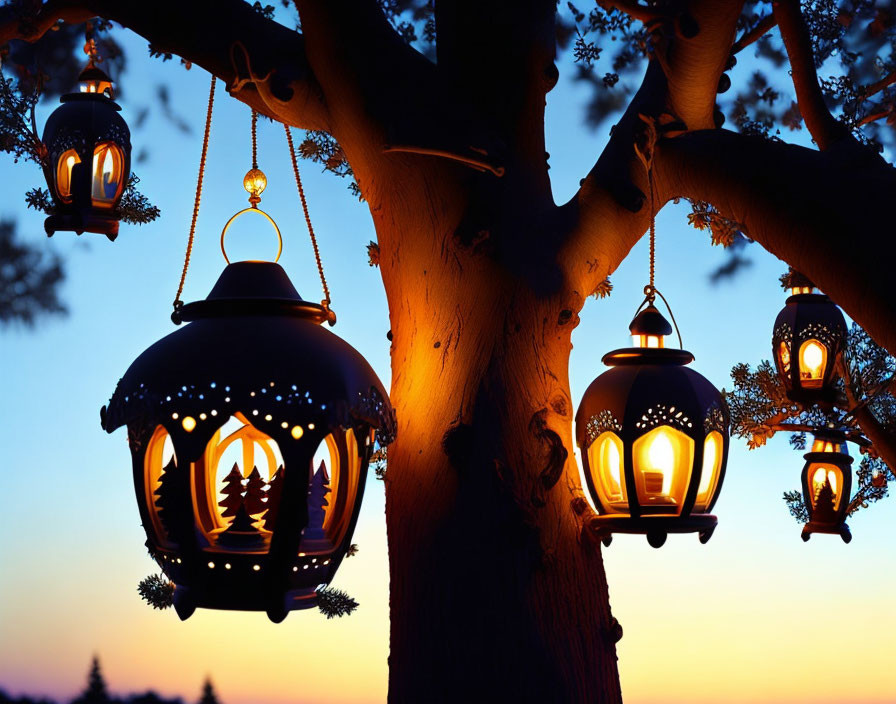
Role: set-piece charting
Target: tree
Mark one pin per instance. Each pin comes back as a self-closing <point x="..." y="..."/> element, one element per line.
<point x="208" y="693"/>
<point x="233" y="493"/>
<point x="485" y="275"/>
<point x="317" y="500"/>
<point x="96" y="686"/>
<point x="254" y="498"/>
<point x="272" y="499"/>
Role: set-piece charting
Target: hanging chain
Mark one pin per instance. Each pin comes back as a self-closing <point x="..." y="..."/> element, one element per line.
<point x="254" y="140"/>
<point x="646" y="158"/>
<point x="178" y="303"/>
<point x="320" y="267"/>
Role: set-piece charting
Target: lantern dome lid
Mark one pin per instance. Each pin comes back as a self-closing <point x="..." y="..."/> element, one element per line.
<point x="650" y="322"/>
<point x="92" y="72"/>
<point x="632" y="399"/>
<point x="255" y="347"/>
<point x="253" y="288"/>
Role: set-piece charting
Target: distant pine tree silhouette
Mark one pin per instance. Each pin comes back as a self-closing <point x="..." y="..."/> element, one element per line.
<point x="96" y="686"/>
<point x="208" y="693"/>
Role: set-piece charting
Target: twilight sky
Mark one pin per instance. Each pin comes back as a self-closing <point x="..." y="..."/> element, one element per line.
<point x="755" y="615"/>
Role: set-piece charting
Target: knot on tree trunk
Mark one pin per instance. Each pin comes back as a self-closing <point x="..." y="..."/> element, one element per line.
<point x="457" y="444"/>
<point x="555" y="455"/>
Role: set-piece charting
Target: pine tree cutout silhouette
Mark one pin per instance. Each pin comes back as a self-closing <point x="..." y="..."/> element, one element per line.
<point x="233" y="493"/>
<point x="317" y="500"/>
<point x="272" y="499"/>
<point x="824" y="504"/>
<point x="174" y="502"/>
<point x="254" y="496"/>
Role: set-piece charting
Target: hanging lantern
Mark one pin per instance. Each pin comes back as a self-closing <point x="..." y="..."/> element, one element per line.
<point x="827" y="482"/>
<point x="88" y="158"/>
<point x="250" y="432"/>
<point x="654" y="438"/>
<point x="808" y="338"/>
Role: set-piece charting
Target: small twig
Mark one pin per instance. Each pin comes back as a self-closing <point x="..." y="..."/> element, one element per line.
<point x="874" y="116"/>
<point x="759" y="30"/>
<point x="852" y="435"/>
<point x="889" y="80"/>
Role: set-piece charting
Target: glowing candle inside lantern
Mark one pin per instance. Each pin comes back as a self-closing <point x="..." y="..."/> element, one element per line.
<point x="661" y="463"/>
<point x="653" y="341"/>
<point x="812" y="358"/>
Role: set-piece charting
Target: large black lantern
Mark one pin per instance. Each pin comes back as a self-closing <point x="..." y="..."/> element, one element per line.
<point x="654" y="439"/>
<point x="250" y="432"/>
<point x="808" y="338"/>
<point x="88" y="158"/>
<point x="827" y="483"/>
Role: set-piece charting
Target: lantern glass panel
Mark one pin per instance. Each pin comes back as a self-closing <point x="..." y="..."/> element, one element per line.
<point x="224" y="473"/>
<point x="825" y="445"/>
<point x="108" y="176"/>
<point x="813" y="358"/>
<point x="605" y="463"/>
<point x="652" y="341"/>
<point x="334" y="483"/>
<point x="159" y="458"/>
<point x="713" y="448"/>
<point x="784" y="356"/>
<point x="826" y="480"/>
<point x="64" y="166"/>
<point x="663" y="460"/>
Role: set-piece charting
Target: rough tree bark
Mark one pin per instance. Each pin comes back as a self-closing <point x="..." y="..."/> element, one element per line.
<point x="498" y="593"/>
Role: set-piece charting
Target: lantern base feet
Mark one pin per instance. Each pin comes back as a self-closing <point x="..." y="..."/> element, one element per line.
<point x="656" y="528"/>
<point x="74" y="222"/>
<point x="184" y="604"/>
<point x="841" y="530"/>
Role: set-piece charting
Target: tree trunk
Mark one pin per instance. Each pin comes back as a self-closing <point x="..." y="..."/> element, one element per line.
<point x="496" y="594"/>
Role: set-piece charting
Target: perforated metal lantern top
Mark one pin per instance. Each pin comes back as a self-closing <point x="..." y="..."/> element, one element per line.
<point x="252" y="365"/>
<point x="808" y="338"/>
<point x="88" y="158"/>
<point x="827" y="485"/>
<point x="654" y="440"/>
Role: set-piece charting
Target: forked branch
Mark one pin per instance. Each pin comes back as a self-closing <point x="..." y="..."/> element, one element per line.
<point x="276" y="81"/>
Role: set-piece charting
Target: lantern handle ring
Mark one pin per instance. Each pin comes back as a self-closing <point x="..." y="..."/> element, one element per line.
<point x="650" y="294"/>
<point x="260" y="212"/>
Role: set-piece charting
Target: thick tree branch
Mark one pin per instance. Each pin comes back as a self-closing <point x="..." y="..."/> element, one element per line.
<point x="821" y="212"/>
<point x="759" y="30"/>
<point x="275" y="80"/>
<point x="884" y="442"/>
<point x="822" y="125"/>
<point x="607" y="216"/>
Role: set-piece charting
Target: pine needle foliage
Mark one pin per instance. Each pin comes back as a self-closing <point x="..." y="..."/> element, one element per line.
<point x="334" y="603"/>
<point x="157" y="591"/>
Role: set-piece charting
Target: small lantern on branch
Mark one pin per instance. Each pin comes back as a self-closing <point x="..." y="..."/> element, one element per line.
<point x="827" y="483"/>
<point x="808" y="338"/>
<point x="88" y="157"/>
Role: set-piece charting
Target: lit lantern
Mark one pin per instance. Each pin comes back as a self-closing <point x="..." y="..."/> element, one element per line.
<point x="827" y="482"/>
<point x="88" y="158"/>
<point x="654" y="439"/>
<point x="250" y="432"/>
<point x="808" y="337"/>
